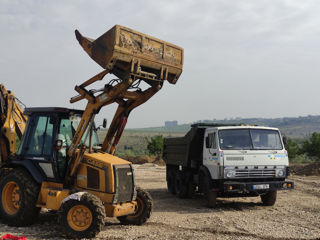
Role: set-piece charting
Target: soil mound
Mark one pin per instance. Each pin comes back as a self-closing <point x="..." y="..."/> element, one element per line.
<point x="145" y="159"/>
<point x="306" y="169"/>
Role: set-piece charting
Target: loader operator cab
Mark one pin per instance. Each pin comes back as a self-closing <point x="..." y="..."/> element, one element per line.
<point x="48" y="135"/>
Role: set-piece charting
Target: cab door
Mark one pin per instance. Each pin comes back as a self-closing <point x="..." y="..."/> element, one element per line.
<point x="38" y="145"/>
<point x="211" y="153"/>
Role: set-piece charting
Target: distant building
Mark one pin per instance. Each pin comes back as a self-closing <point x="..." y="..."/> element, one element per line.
<point x="170" y="123"/>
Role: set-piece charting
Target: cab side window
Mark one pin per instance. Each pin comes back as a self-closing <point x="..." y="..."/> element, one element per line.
<point x="41" y="137"/>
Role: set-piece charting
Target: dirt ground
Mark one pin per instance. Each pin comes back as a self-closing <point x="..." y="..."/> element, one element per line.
<point x="296" y="215"/>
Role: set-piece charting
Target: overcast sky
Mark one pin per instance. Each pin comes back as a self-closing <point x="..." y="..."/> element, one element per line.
<point x="243" y="58"/>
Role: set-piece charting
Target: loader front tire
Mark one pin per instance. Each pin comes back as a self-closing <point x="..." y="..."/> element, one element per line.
<point x="143" y="211"/>
<point x="82" y="218"/>
<point x="19" y="194"/>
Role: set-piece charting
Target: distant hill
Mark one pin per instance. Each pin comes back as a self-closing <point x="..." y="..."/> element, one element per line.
<point x="293" y="127"/>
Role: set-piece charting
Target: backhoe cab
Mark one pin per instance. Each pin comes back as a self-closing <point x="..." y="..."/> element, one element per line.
<point x="60" y="165"/>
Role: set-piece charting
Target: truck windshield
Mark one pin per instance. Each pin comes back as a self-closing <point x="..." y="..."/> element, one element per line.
<point x="250" y="139"/>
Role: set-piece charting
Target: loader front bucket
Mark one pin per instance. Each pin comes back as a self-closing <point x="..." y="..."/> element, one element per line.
<point x="126" y="52"/>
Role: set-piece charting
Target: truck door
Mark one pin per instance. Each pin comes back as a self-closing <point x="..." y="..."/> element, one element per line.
<point x="211" y="153"/>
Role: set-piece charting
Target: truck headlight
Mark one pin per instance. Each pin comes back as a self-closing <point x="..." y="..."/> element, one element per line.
<point x="280" y="173"/>
<point x="231" y="173"/>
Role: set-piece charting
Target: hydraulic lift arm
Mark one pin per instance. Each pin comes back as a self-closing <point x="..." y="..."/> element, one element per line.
<point x="12" y="122"/>
<point x="133" y="57"/>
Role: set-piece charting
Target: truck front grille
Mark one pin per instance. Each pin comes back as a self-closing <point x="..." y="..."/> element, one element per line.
<point x="253" y="173"/>
<point x="124" y="183"/>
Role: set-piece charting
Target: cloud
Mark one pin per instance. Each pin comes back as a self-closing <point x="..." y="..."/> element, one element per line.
<point x="242" y="58"/>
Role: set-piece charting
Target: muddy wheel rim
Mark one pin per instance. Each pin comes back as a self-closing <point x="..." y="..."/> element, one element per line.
<point x="79" y="218"/>
<point x="11" y="198"/>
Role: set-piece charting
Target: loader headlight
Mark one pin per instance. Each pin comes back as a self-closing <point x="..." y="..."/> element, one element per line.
<point x="230" y="173"/>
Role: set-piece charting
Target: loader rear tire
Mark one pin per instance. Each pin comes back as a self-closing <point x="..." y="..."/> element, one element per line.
<point x="269" y="199"/>
<point x="19" y="194"/>
<point x="143" y="211"/>
<point x="82" y="218"/>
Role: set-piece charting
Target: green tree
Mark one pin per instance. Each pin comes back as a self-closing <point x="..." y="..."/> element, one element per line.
<point x="312" y="146"/>
<point x="155" y="145"/>
<point x="293" y="149"/>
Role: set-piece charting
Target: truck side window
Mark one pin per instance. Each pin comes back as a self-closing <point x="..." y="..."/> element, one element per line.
<point x="211" y="142"/>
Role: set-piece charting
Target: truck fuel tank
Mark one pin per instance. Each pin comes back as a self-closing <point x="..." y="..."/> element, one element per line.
<point x="125" y="51"/>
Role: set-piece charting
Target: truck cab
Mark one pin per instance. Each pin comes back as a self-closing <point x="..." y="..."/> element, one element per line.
<point x="228" y="161"/>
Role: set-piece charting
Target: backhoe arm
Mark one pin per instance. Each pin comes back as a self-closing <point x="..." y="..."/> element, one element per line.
<point x="12" y="122"/>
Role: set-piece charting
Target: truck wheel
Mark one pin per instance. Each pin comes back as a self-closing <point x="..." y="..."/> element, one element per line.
<point x="83" y="218"/>
<point x="19" y="194"/>
<point x="143" y="211"/>
<point x="170" y="182"/>
<point x="269" y="199"/>
<point x="209" y="194"/>
<point x="181" y="187"/>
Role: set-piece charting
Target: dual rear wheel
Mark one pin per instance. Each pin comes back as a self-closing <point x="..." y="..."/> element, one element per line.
<point x="179" y="183"/>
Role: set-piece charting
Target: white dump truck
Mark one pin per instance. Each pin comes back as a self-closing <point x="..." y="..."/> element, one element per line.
<point x="227" y="161"/>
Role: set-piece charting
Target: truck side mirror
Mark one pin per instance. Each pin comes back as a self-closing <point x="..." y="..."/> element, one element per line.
<point x="104" y="124"/>
<point x="284" y="140"/>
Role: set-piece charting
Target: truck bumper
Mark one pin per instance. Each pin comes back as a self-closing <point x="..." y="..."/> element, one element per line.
<point x="236" y="187"/>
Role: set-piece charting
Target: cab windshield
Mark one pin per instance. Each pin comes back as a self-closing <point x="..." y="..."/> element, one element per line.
<point x="250" y="139"/>
<point x="74" y="122"/>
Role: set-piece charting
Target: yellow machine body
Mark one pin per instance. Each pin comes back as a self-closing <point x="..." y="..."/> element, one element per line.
<point x="95" y="175"/>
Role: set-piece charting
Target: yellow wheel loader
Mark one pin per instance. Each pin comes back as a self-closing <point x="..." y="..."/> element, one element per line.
<point x="60" y="164"/>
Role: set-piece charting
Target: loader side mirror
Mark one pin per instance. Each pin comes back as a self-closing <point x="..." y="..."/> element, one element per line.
<point x="104" y="124"/>
<point x="59" y="144"/>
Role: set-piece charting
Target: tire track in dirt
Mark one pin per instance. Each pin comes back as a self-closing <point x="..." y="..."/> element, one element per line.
<point x="309" y="188"/>
<point x="221" y="232"/>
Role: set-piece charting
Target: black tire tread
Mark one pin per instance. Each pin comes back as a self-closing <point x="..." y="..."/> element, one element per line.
<point x="181" y="185"/>
<point x="98" y="214"/>
<point x="28" y="211"/>
<point x="145" y="215"/>
<point x="210" y="194"/>
<point x="269" y="199"/>
<point x="171" y="180"/>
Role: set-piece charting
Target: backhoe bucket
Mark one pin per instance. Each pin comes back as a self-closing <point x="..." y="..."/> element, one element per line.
<point x="128" y="53"/>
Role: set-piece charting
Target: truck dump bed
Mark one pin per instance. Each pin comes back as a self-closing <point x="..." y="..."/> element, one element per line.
<point x="185" y="151"/>
<point x="124" y="50"/>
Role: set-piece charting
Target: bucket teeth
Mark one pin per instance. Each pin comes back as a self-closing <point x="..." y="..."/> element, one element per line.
<point x="86" y="43"/>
